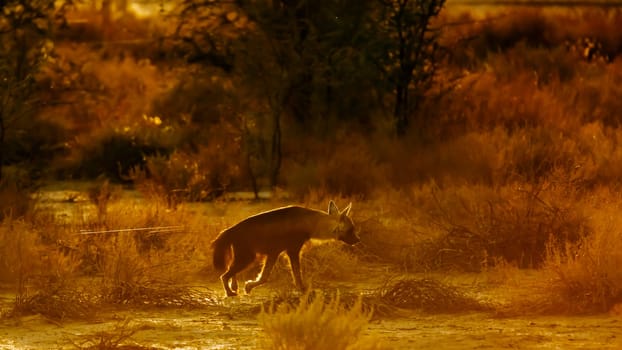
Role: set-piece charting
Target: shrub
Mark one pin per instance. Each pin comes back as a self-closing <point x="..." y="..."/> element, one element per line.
<point x="329" y="261"/>
<point x="346" y="166"/>
<point x="389" y="229"/>
<point x="545" y="65"/>
<point x="529" y="26"/>
<point x="586" y="275"/>
<point x="478" y="225"/>
<point x="184" y="175"/>
<point x="33" y="142"/>
<point x="110" y="154"/>
<point x="537" y="28"/>
<point x="15" y="196"/>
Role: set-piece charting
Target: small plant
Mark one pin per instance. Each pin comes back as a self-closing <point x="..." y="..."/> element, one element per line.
<point x="101" y="195"/>
<point x="115" y="338"/>
<point x="317" y="323"/>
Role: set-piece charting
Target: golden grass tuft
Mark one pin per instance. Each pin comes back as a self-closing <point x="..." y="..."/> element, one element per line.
<point x="317" y="322"/>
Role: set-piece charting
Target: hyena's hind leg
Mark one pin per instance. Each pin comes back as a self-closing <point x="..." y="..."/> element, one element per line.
<point x="225" y="278"/>
<point x="263" y="275"/>
<point x="234" y="283"/>
<point x="240" y="261"/>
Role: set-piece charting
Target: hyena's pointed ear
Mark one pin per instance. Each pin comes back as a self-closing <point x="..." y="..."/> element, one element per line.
<point x="332" y="208"/>
<point x="346" y="211"/>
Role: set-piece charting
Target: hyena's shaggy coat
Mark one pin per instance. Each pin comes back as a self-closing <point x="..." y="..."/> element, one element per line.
<point x="270" y="233"/>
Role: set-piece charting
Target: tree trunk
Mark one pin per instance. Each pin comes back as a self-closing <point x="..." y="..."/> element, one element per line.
<point x="275" y="152"/>
<point x="401" y="109"/>
<point x="122" y="6"/>
<point x="2" y="133"/>
<point x="300" y="100"/>
<point x="249" y="160"/>
<point x="106" y="13"/>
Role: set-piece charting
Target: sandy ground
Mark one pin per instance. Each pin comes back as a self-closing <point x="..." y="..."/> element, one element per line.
<point x="205" y="329"/>
<point x="233" y="325"/>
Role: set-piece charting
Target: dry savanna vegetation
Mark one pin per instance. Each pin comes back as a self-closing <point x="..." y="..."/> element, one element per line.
<point x="484" y="167"/>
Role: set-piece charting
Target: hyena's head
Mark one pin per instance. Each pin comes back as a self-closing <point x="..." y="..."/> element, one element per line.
<point x="345" y="227"/>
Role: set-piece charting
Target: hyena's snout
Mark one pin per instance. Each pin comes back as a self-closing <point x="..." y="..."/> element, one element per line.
<point x="350" y="237"/>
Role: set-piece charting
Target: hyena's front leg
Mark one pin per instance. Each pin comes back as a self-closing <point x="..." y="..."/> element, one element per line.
<point x="263" y="275"/>
<point x="294" y="261"/>
<point x="234" y="283"/>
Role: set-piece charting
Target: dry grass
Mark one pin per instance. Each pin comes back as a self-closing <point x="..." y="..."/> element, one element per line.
<point x="45" y="278"/>
<point x="19" y="252"/>
<point x="63" y="274"/>
<point x="152" y="265"/>
<point x="129" y="277"/>
<point x="317" y="322"/>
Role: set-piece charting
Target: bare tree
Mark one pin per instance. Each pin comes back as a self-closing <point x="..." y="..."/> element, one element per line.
<point x="410" y="57"/>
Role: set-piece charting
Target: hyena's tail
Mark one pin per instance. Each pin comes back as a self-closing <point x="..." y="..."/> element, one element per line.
<point x="222" y="251"/>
